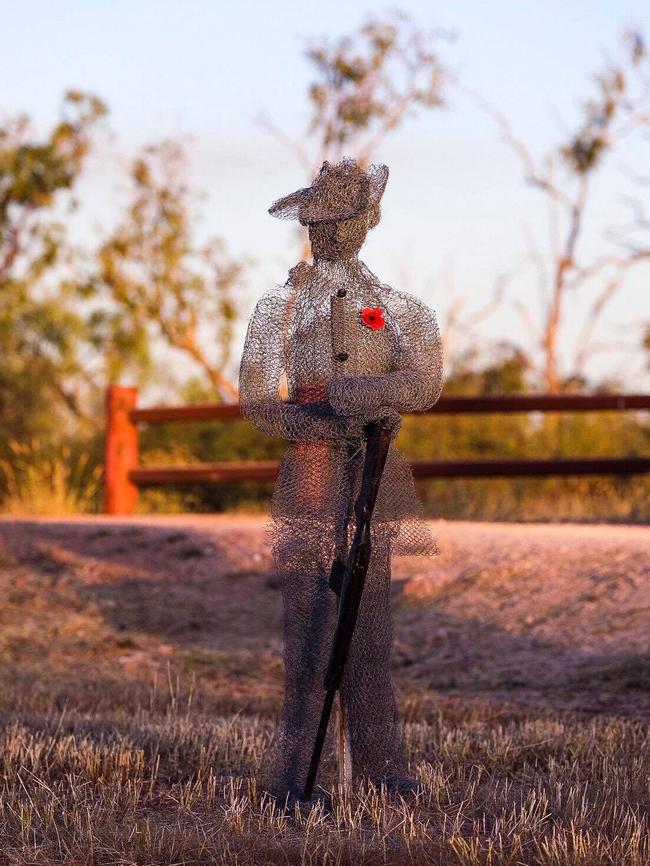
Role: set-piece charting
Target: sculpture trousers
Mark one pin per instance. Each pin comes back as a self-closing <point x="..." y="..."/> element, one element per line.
<point x="372" y="728"/>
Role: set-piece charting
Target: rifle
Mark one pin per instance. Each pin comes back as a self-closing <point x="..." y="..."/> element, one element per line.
<point x="353" y="579"/>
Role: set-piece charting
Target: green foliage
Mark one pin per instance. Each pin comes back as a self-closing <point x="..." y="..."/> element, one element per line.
<point x="32" y="173"/>
<point x="159" y="282"/>
<point x="523" y="436"/>
<point x="506" y="373"/>
<point x="368" y="82"/>
<point x="151" y="279"/>
<point x="584" y="152"/>
<point x="41" y="326"/>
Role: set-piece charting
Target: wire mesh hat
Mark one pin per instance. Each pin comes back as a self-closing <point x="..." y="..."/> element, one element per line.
<point x="338" y="192"/>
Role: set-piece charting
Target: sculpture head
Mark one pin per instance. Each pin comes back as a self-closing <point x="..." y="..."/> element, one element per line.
<point x="339" y="208"/>
<point x="342" y="239"/>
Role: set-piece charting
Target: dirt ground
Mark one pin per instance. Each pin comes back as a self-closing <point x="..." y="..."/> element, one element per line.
<point x="554" y="616"/>
<point x="141" y="678"/>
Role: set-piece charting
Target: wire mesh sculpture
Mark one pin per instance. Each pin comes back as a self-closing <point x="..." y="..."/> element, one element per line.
<point x="349" y="350"/>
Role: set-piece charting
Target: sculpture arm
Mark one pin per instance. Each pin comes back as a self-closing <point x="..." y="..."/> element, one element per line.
<point x="262" y="366"/>
<point x="416" y="383"/>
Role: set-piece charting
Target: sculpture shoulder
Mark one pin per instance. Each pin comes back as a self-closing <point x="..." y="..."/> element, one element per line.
<point x="401" y="304"/>
<point x="275" y="298"/>
<point x="298" y="275"/>
<point x="396" y="301"/>
<point x="281" y="294"/>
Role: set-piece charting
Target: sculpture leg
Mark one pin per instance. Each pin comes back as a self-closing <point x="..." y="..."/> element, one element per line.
<point x="309" y="617"/>
<point x="372" y="721"/>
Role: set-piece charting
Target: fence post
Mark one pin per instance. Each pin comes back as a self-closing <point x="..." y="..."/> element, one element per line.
<point x="121" y="451"/>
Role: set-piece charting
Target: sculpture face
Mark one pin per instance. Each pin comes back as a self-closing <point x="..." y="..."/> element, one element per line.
<point x="338" y="240"/>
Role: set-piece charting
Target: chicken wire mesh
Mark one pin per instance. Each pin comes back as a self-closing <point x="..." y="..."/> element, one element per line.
<point x="347" y="350"/>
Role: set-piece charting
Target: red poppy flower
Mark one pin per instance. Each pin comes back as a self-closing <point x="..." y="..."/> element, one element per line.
<point x="373" y="317"/>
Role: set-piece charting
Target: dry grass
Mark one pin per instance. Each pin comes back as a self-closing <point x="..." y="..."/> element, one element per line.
<point x="170" y="785"/>
<point x="55" y="483"/>
<point x="136" y="718"/>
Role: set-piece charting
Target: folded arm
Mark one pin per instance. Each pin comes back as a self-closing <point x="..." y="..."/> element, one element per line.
<point x="416" y="383"/>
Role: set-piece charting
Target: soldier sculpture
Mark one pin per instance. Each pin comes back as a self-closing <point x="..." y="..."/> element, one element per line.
<point x="326" y="354"/>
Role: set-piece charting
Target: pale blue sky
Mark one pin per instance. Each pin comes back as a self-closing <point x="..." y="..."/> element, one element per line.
<point x="455" y="198"/>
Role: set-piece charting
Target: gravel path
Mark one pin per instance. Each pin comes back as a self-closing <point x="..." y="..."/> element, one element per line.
<point x="546" y="614"/>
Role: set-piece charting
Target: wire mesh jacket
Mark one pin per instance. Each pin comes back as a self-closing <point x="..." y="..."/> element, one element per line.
<point x="347" y="349"/>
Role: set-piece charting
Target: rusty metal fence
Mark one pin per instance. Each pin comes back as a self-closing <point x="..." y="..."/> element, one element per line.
<point x="123" y="475"/>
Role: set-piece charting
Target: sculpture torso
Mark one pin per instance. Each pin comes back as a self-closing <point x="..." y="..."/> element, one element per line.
<point x="325" y="336"/>
<point x="311" y="330"/>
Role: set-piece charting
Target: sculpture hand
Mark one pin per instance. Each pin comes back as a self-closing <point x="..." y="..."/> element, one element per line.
<point x="353" y="426"/>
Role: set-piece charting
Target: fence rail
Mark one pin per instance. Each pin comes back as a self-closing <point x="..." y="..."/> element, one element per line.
<point x="445" y="405"/>
<point x="123" y="476"/>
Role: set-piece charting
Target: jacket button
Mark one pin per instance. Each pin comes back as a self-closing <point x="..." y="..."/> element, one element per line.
<point x="342" y="356"/>
<point x="341" y="293"/>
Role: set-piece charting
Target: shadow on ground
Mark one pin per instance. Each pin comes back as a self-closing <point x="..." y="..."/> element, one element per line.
<point x="92" y="608"/>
